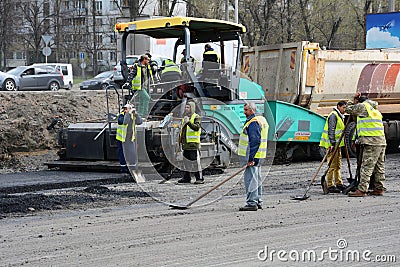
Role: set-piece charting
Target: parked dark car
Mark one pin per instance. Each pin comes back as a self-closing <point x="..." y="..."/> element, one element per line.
<point x="31" y="78"/>
<point x="99" y="82"/>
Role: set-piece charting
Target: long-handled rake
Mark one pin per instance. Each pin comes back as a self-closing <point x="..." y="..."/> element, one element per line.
<point x="305" y="196"/>
<point x="183" y="207"/>
<point x="323" y="180"/>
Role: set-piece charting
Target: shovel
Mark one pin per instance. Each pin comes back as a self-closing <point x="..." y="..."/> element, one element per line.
<point x="323" y="180"/>
<point x="305" y="196"/>
<point x="355" y="182"/>
<point x="137" y="175"/>
<point x="187" y="206"/>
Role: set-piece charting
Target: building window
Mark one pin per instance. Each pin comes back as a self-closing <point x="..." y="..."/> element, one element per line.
<point x="113" y="56"/>
<point x="100" y="56"/>
<point x="19" y="55"/>
<point x="99" y="7"/>
<point x="99" y="22"/>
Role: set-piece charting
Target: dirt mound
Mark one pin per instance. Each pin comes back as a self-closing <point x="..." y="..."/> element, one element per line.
<point x="24" y="117"/>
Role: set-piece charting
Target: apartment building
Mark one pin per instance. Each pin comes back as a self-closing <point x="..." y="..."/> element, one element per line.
<point x="81" y="31"/>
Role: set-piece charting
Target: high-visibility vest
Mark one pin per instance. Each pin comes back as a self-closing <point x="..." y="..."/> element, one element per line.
<point x="325" y="142"/>
<point x="371" y="125"/>
<point x="244" y="138"/>
<point x="191" y="135"/>
<point x="212" y="52"/>
<point x="170" y="66"/>
<point x="191" y="59"/>
<point x="137" y="80"/>
<point x="123" y="128"/>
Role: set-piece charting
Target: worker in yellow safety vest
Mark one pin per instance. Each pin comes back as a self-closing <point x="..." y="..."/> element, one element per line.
<point x="211" y="62"/>
<point x="190" y="141"/>
<point x="139" y="81"/>
<point x="371" y="137"/>
<point x="252" y="150"/>
<point x="333" y="130"/>
<point x="126" y="135"/>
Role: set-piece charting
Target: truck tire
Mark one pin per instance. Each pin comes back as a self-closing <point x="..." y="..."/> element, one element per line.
<point x="349" y="139"/>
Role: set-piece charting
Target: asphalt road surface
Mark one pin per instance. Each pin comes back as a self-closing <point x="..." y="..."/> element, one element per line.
<point x="118" y="226"/>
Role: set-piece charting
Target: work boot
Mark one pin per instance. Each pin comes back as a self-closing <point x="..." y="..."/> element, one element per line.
<point x="183" y="181"/>
<point x="357" y="193"/>
<point x="333" y="189"/>
<point x="248" y="208"/>
<point x="259" y="206"/>
<point x="199" y="181"/>
<point x="341" y="187"/>
<point x="376" y="192"/>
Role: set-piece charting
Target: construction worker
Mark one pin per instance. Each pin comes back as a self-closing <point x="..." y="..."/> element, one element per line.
<point x="139" y="81"/>
<point x="171" y="74"/>
<point x="372" y="141"/>
<point x="252" y="150"/>
<point x="211" y="62"/>
<point x="154" y="67"/>
<point x="183" y="59"/>
<point x="190" y="140"/>
<point x="333" y="130"/>
<point x="127" y="118"/>
<point x="211" y="55"/>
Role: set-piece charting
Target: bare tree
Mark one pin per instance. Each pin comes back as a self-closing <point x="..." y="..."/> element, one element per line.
<point x="37" y="24"/>
<point x="6" y="30"/>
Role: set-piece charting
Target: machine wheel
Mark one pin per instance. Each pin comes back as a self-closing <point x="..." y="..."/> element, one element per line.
<point x="9" y="85"/>
<point x="104" y="86"/>
<point x="54" y="86"/>
<point x="349" y="139"/>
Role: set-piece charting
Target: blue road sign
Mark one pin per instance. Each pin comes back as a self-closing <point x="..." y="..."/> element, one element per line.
<point x="82" y="55"/>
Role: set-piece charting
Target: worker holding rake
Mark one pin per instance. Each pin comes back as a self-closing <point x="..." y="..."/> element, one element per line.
<point x="252" y="149"/>
<point x="333" y="130"/>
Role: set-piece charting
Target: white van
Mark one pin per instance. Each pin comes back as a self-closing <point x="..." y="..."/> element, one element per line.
<point x="65" y="69"/>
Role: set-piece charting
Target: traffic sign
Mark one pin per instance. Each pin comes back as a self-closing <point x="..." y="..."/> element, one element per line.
<point x="46" y="51"/>
<point x="82" y="55"/>
<point x="46" y="39"/>
<point x="83" y="65"/>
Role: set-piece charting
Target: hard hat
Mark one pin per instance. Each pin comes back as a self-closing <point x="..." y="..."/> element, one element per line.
<point x="128" y="106"/>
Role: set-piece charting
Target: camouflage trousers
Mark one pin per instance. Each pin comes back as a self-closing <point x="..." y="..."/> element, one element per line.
<point x="334" y="169"/>
<point x="373" y="161"/>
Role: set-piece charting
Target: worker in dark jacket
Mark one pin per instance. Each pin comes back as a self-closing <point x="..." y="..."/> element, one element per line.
<point x="252" y="150"/>
<point x="190" y="140"/>
<point x="333" y="130"/>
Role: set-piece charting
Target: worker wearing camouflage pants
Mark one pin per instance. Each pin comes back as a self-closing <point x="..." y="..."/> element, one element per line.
<point x="371" y="136"/>
<point x="373" y="161"/>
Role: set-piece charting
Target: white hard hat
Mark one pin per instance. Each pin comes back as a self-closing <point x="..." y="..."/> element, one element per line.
<point x="128" y="106"/>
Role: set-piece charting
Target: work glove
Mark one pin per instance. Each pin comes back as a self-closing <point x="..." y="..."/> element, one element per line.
<point x="186" y="119"/>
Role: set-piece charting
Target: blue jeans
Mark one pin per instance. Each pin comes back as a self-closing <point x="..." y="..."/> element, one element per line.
<point x="121" y="157"/>
<point x="253" y="185"/>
